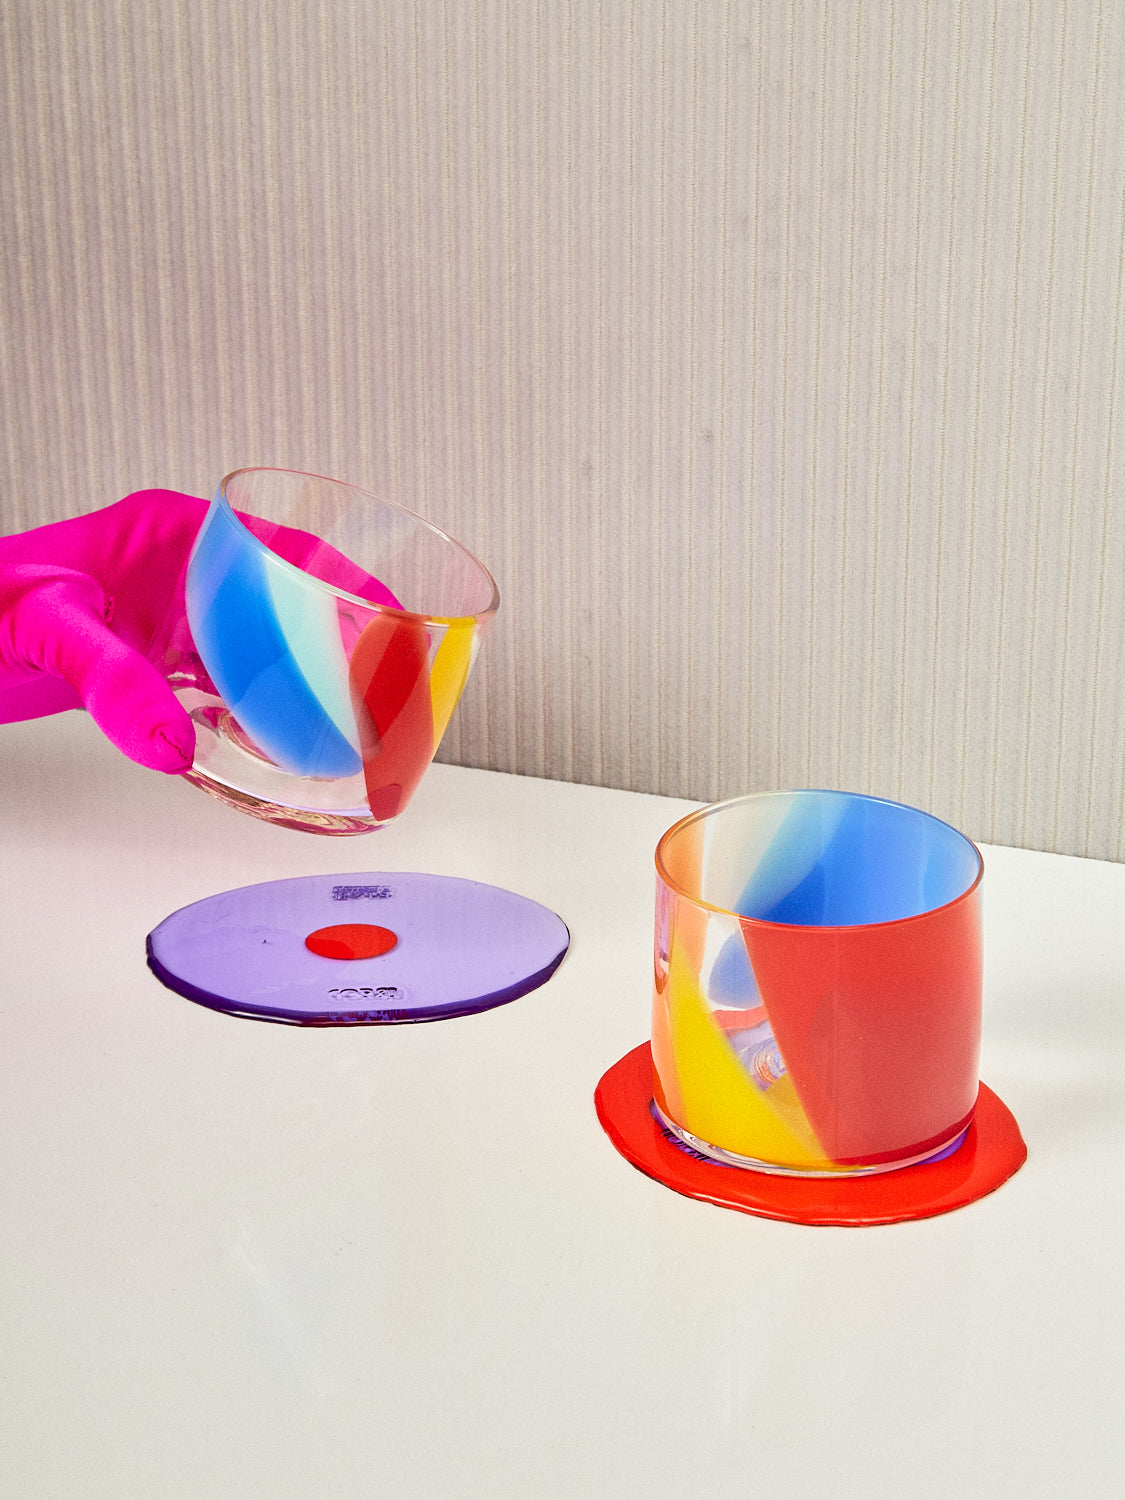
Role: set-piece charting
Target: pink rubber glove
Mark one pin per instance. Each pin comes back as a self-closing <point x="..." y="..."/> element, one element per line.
<point x="80" y="601"/>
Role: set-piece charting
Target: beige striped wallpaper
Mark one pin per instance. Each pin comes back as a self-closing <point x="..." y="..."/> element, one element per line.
<point x="770" y="353"/>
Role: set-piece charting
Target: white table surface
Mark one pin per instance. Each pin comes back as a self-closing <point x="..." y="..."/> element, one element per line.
<point x="249" y="1260"/>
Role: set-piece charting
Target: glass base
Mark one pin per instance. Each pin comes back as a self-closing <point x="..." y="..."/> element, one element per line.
<point x="304" y="820"/>
<point x="228" y="766"/>
<point x="751" y="1164"/>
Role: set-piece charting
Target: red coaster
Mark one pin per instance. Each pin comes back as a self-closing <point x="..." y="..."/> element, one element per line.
<point x="992" y="1151"/>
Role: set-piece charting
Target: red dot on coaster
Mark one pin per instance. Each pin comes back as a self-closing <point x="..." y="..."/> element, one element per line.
<point x="351" y="940"/>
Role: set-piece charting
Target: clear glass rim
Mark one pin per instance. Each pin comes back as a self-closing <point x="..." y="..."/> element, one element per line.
<point x="715" y="808"/>
<point x="481" y="616"/>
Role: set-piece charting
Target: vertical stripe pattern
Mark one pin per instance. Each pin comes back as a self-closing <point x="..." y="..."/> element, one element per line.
<point x="770" y="354"/>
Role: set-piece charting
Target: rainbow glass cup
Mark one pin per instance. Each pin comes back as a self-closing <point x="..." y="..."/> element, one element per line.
<point x="817" y="998"/>
<point x="321" y="645"/>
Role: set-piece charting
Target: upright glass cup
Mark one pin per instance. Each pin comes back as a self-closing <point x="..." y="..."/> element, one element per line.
<point x="320" y="645"/>
<point x="817" y="998"/>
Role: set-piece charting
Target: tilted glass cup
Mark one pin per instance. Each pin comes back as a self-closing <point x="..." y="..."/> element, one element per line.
<point x="817" y="997"/>
<point x="320" y="645"/>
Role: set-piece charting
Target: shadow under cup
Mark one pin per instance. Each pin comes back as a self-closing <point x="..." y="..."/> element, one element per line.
<point x="817" y="1000"/>
<point x="320" y="643"/>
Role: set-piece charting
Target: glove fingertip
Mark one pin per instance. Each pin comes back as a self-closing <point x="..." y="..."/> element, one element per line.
<point x="136" y="710"/>
<point x="161" y="747"/>
<point x="170" y="752"/>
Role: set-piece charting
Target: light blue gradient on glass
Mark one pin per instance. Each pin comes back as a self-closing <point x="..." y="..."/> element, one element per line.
<point x="837" y="859"/>
<point x="235" y="624"/>
<point x="731" y="982"/>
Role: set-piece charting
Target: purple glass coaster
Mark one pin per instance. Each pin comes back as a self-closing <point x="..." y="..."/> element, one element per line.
<point x="347" y="950"/>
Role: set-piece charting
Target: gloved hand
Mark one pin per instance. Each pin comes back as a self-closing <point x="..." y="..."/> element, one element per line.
<point x="80" y="602"/>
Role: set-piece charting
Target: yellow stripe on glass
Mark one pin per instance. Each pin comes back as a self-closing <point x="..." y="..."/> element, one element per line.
<point x="449" y="669"/>
<point x="721" y="1103"/>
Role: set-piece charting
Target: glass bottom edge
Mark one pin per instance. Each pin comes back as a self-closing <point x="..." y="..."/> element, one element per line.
<point x="703" y="1149"/>
<point x="228" y="766"/>
<point x="341" y="823"/>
